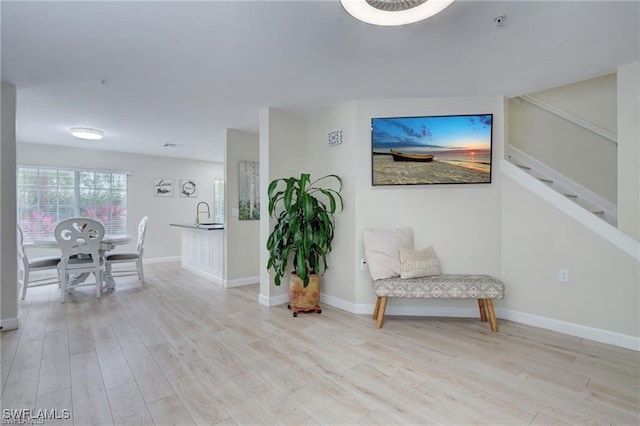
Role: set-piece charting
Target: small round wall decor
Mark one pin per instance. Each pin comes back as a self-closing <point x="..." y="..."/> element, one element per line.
<point x="188" y="188"/>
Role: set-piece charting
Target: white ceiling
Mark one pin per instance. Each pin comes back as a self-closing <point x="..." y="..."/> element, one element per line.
<point x="183" y="72"/>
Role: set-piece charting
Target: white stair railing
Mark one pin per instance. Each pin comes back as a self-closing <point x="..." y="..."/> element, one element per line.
<point x="571" y="118"/>
<point x="572" y="190"/>
<point x="612" y="234"/>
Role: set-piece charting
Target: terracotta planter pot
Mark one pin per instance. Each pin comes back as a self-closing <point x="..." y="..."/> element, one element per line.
<point x="301" y="297"/>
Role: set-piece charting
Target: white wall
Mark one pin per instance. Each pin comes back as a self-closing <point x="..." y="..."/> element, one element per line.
<point x="577" y="153"/>
<point x="8" y="252"/>
<point x="322" y="159"/>
<point x="283" y="139"/>
<point x="537" y="241"/>
<point x="629" y="149"/>
<point x="162" y="241"/>
<point x="242" y="237"/>
<point x="500" y="229"/>
<point x="462" y="222"/>
<point x="592" y="100"/>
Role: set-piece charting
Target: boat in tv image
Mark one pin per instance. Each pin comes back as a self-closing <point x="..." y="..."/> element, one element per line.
<point x="398" y="156"/>
<point x="425" y="150"/>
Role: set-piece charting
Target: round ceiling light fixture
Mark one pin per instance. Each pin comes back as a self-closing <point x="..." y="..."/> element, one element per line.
<point x="394" y="12"/>
<point x="87" y="133"/>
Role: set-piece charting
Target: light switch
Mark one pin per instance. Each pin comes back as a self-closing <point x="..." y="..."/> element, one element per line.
<point x="235" y="212"/>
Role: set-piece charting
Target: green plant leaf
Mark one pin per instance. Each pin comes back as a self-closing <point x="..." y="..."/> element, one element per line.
<point x="304" y="227"/>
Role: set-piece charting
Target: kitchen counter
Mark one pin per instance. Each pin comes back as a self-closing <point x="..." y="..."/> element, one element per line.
<point x="203" y="226"/>
<point x="202" y="251"/>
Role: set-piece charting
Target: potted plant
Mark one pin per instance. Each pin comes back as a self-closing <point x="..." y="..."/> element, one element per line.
<point x="303" y="232"/>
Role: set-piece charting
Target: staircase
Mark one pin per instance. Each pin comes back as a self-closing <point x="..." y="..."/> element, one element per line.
<point x="585" y="198"/>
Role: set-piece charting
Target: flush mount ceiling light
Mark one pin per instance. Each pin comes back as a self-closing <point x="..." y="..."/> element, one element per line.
<point x="87" y="133"/>
<point x="393" y="12"/>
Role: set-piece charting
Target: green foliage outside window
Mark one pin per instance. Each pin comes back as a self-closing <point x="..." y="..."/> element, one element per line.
<point x="48" y="196"/>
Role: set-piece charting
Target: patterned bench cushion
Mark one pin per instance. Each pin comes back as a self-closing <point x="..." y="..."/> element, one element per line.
<point x="458" y="286"/>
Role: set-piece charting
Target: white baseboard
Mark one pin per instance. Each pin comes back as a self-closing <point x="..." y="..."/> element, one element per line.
<point x="225" y="283"/>
<point x="342" y="304"/>
<point x="274" y="300"/>
<point x="210" y="277"/>
<point x="263" y="300"/>
<point x="595" y="334"/>
<point x="239" y="282"/>
<point x="161" y="260"/>
<point x="9" y="324"/>
<point x="470" y="311"/>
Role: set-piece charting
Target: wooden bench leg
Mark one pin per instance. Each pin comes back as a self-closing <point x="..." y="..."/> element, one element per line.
<point x="483" y="313"/>
<point x="376" y="309"/>
<point x="381" y="308"/>
<point x="492" y="316"/>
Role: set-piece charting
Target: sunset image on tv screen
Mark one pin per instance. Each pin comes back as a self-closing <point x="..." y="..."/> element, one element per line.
<point x="431" y="149"/>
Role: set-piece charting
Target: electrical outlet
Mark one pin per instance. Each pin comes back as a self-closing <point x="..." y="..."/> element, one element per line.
<point x="363" y="264"/>
<point x="563" y="277"/>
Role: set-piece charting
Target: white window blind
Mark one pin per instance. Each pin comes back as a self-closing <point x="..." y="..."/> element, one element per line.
<point x="47" y="196"/>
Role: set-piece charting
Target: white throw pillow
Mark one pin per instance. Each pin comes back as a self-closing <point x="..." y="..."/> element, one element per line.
<point x="418" y="263"/>
<point x="381" y="246"/>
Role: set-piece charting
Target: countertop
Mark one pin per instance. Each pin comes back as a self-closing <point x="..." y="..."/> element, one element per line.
<point x="202" y="226"/>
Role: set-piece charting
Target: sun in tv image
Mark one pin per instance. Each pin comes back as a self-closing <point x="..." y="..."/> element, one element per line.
<point x="431" y="149"/>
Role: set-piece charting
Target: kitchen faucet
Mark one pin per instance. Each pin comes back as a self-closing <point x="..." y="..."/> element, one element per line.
<point x="198" y="211"/>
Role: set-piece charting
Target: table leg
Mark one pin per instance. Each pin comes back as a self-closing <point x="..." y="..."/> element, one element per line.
<point x="74" y="280"/>
<point x="108" y="280"/>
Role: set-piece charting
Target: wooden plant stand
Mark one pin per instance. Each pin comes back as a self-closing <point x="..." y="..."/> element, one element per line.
<point x="295" y="310"/>
<point x="304" y="299"/>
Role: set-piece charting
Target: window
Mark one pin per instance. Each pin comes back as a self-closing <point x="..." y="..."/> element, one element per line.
<point x="47" y="196"/>
<point x="218" y="201"/>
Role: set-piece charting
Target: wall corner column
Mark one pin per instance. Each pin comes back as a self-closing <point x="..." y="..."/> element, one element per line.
<point x="629" y="149"/>
<point x="265" y="220"/>
<point x="8" y="250"/>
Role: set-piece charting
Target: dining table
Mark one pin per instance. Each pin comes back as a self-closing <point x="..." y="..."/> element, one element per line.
<point x="108" y="243"/>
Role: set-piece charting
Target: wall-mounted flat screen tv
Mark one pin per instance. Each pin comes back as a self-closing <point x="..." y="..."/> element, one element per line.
<point x="446" y="149"/>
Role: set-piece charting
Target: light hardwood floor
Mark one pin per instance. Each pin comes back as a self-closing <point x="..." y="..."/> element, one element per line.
<point x="180" y="350"/>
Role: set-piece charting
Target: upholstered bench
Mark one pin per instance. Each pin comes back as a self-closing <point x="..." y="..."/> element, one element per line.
<point x="485" y="288"/>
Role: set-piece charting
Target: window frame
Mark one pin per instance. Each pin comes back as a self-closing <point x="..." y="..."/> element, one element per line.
<point x="77" y="194"/>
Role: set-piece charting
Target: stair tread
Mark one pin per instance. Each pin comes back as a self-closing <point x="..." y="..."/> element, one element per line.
<point x="558" y="187"/>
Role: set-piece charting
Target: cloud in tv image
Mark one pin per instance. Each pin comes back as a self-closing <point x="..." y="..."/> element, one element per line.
<point x="431" y="149"/>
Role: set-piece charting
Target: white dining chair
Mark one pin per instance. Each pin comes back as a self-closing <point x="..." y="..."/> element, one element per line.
<point x="36" y="264"/>
<point x="79" y="239"/>
<point x="135" y="257"/>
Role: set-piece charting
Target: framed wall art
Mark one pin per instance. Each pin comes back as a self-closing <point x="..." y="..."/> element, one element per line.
<point x="188" y="188"/>
<point x="249" y="206"/>
<point x="163" y="187"/>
